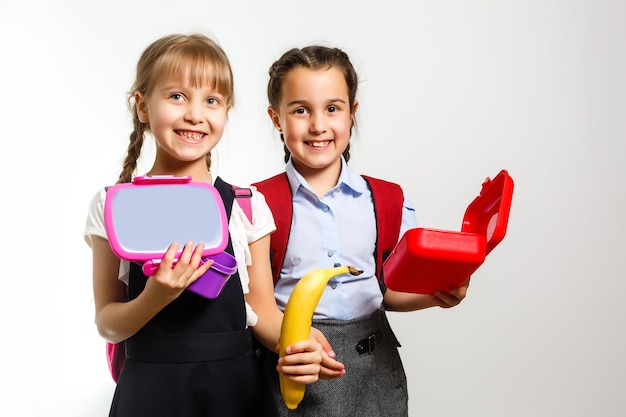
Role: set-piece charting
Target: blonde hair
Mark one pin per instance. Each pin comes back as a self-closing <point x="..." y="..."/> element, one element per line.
<point x="195" y="56"/>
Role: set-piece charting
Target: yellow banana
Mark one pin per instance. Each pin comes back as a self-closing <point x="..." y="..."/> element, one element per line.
<point x="297" y="319"/>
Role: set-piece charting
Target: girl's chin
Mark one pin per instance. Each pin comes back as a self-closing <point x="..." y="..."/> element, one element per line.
<point x="317" y="163"/>
<point x="188" y="159"/>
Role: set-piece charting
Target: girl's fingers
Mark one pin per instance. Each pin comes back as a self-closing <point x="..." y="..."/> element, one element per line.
<point x="196" y="258"/>
<point x="170" y="255"/>
<point x="447" y="300"/>
<point x="303" y="361"/>
<point x="310" y="345"/>
<point x="331" y="368"/>
<point x="186" y="254"/>
<point x="300" y="359"/>
<point x="204" y="266"/>
<point x="191" y="263"/>
<point x="187" y="257"/>
<point x="300" y="367"/>
<point x="201" y="270"/>
<point x="185" y="268"/>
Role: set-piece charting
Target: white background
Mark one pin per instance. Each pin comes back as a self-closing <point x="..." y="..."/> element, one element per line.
<point x="451" y="92"/>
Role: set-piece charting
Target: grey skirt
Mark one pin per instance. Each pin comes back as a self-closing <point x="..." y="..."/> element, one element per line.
<point x="374" y="384"/>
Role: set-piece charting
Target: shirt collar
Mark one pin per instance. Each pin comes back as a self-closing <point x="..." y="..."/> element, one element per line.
<point x="347" y="178"/>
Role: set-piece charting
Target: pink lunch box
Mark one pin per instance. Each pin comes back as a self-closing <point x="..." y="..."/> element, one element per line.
<point x="144" y="217"/>
<point x="427" y="260"/>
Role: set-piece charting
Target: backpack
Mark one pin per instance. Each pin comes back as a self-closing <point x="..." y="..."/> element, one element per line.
<point x="116" y="352"/>
<point x="388" y="201"/>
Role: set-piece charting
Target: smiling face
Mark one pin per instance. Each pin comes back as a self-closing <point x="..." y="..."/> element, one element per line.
<point x="315" y="117"/>
<point x="187" y="121"/>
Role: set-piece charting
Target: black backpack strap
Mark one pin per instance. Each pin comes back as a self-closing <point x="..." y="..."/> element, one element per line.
<point x="227" y="194"/>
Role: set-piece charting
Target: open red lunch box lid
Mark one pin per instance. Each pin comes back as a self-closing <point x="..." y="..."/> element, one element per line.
<point x="426" y="260"/>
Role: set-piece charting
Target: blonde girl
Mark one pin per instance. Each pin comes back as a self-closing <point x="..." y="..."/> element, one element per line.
<point x="188" y="355"/>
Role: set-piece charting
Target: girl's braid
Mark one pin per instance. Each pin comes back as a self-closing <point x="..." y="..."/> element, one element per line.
<point x="134" y="150"/>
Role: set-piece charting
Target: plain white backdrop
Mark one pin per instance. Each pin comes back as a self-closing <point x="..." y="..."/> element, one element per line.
<point x="451" y="92"/>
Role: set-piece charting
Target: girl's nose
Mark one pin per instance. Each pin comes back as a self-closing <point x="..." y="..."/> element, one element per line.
<point x="317" y="123"/>
<point x="194" y="113"/>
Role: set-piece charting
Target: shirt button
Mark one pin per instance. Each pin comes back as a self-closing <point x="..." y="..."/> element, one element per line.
<point x="324" y="208"/>
<point x="330" y="253"/>
<point x="333" y="285"/>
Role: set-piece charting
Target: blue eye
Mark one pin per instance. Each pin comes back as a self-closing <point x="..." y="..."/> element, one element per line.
<point x="212" y="101"/>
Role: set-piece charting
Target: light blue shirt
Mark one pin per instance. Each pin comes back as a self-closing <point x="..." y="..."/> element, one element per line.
<point x="339" y="228"/>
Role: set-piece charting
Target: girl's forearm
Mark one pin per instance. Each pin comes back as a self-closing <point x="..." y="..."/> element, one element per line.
<point x="402" y="301"/>
<point x="267" y="328"/>
<point x="118" y="321"/>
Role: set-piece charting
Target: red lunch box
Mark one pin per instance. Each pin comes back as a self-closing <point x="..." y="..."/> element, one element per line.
<point x="426" y="260"/>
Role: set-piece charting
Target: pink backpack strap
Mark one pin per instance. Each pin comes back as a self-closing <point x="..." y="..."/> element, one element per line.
<point x="115" y="354"/>
<point x="244" y="199"/>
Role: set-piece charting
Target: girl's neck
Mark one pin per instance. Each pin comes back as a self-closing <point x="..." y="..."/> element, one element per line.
<point x="197" y="171"/>
<point x="321" y="180"/>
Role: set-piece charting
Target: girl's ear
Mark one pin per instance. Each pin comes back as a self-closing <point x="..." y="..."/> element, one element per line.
<point x="141" y="107"/>
<point x="275" y="117"/>
<point x="355" y="107"/>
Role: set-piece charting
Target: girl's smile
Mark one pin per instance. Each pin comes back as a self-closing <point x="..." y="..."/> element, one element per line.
<point x="319" y="145"/>
<point x="190" y="136"/>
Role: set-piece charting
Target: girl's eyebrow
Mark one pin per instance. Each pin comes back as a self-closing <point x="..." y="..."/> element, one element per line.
<point x="301" y="102"/>
<point x="178" y="87"/>
<point x="296" y="103"/>
<point x="170" y="86"/>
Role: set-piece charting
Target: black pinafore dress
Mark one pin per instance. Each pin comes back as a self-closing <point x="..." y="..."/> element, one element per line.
<point x="195" y="357"/>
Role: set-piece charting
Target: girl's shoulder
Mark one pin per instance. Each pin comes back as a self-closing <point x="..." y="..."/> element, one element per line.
<point x="379" y="181"/>
<point x="94" y="224"/>
<point x="251" y="203"/>
<point x="253" y="215"/>
<point x="96" y="204"/>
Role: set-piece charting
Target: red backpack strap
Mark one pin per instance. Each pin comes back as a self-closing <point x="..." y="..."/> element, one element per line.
<point x="244" y="199"/>
<point x="388" y="201"/>
<point x="277" y="193"/>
